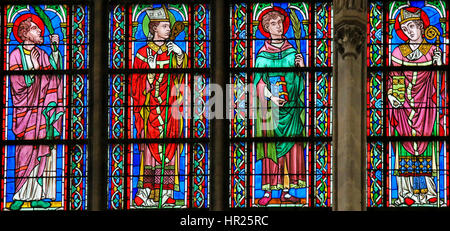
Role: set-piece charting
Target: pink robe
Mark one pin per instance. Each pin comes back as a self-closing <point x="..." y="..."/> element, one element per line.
<point x="418" y="103"/>
<point x="29" y="122"/>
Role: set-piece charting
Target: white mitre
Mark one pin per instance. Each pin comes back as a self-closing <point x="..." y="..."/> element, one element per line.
<point x="158" y="15"/>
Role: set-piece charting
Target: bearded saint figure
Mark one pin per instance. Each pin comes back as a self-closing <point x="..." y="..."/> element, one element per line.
<point x="38" y="101"/>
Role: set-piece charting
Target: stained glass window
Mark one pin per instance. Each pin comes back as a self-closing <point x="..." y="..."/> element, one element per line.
<point x="280" y="117"/>
<point x="159" y="73"/>
<point x="407" y="104"/>
<point x="44" y="107"/>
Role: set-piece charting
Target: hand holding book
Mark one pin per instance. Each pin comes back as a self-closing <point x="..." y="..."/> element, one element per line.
<point x="396" y="95"/>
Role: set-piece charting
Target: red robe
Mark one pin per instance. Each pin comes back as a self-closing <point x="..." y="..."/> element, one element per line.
<point x="153" y="116"/>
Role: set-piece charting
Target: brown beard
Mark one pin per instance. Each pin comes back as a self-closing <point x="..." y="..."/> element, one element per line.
<point x="36" y="40"/>
<point x="40" y="40"/>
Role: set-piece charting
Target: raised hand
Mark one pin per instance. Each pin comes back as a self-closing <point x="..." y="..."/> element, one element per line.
<point x="54" y="39"/>
<point x="35" y="59"/>
<point x="437" y="56"/>
<point x="151" y="59"/>
<point x="299" y="62"/>
<point x="172" y="47"/>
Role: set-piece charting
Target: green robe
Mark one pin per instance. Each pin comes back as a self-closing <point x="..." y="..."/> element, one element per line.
<point x="291" y="116"/>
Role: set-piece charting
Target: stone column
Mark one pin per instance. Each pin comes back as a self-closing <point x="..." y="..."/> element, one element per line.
<point x="218" y="137"/>
<point x="349" y="104"/>
<point x="98" y="124"/>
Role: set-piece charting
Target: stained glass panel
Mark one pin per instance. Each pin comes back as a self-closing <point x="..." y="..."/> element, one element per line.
<point x="44" y="102"/>
<point x="281" y="104"/>
<point x="157" y="106"/>
<point x="407" y="104"/>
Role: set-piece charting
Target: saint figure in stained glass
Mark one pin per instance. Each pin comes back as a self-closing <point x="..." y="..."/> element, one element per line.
<point x="151" y="92"/>
<point x="278" y="95"/>
<point x="37" y="101"/>
<point x="412" y="102"/>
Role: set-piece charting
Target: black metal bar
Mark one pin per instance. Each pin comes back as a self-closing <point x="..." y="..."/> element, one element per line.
<point x="391" y="68"/>
<point x="385" y="108"/>
<point x="42" y="142"/>
<point x="282" y="39"/>
<point x="249" y="33"/>
<point x="70" y="22"/>
<point x="280" y="69"/>
<point x="127" y="17"/>
<point x="49" y="44"/>
<point x="226" y="155"/>
<point x="140" y="105"/>
<point x="385" y="28"/>
<point x="134" y="2"/>
<point x="165" y="71"/>
<point x="405" y="138"/>
<point x="447" y="142"/>
<point x="150" y="40"/>
<point x="312" y="152"/>
<point x="89" y="183"/>
<point x="162" y="140"/>
<point x="37" y="107"/>
<point x="45" y="2"/>
<point x="191" y="121"/>
<point x="271" y="1"/>
<point x="206" y="70"/>
<point x="431" y="43"/>
<point x="2" y="86"/>
<point x="46" y="72"/>
<point x="281" y="139"/>
<point x="101" y="154"/>
<point x="132" y="175"/>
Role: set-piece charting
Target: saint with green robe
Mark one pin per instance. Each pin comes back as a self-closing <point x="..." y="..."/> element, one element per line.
<point x="281" y="111"/>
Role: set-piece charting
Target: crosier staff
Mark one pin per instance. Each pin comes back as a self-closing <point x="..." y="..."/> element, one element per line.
<point x="177" y="28"/>
<point x="430" y="33"/>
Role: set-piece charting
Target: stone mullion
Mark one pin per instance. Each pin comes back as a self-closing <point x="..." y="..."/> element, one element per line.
<point x="98" y="158"/>
<point x="219" y="153"/>
<point x="349" y="138"/>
